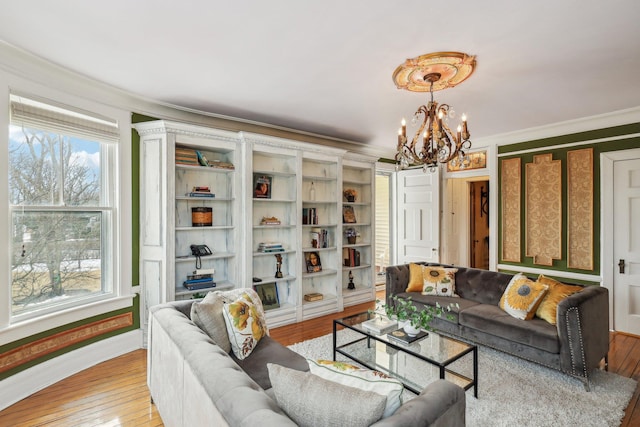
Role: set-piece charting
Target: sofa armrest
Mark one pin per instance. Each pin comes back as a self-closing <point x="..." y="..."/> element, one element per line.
<point x="441" y="403"/>
<point x="583" y="330"/>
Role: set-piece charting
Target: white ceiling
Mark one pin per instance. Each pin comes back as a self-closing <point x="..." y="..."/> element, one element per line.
<point x="325" y="67"/>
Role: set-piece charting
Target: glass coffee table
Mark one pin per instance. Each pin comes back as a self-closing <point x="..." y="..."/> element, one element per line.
<point x="416" y="364"/>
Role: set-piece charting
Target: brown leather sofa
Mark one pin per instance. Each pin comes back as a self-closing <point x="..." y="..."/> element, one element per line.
<point x="575" y="346"/>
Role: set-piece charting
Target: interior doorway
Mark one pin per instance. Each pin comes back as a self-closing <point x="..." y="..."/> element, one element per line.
<point x="479" y="224"/>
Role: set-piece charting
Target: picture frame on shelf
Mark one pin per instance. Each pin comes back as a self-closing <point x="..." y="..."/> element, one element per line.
<point x="268" y="294"/>
<point x="314" y="264"/>
<point x="348" y="215"/>
<point x="262" y="186"/>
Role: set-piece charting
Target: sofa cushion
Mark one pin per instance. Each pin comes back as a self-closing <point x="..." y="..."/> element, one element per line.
<point x="558" y="291"/>
<point x="416" y="279"/>
<point x="363" y="379"/>
<point x="245" y="325"/>
<point x="269" y="350"/>
<point x="315" y="402"/>
<point x="207" y="314"/>
<point x="482" y="286"/>
<point x="492" y="320"/>
<point x="439" y="281"/>
<point x="522" y="297"/>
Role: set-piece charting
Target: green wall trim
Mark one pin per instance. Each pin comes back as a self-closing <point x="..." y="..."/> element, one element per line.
<point x="560" y="153"/>
<point x="615" y="131"/>
<point x="15" y="344"/>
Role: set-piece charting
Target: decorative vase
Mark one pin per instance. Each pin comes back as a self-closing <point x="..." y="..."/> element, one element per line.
<point x="351" y="199"/>
<point x="351" y="240"/>
<point x="411" y="330"/>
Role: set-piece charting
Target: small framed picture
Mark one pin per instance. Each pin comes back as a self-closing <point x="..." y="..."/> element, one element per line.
<point x="262" y="186"/>
<point x="313" y="262"/>
<point x="268" y="294"/>
<point x="348" y="215"/>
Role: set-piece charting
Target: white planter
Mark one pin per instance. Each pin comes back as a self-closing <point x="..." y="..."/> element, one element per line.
<point x="410" y="330"/>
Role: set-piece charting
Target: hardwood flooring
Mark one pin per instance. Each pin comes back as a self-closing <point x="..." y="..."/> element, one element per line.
<point x="114" y="393"/>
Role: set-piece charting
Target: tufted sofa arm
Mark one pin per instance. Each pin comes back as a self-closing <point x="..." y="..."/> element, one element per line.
<point x="583" y="328"/>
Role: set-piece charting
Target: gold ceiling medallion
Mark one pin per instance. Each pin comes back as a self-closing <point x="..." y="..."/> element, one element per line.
<point x="429" y="73"/>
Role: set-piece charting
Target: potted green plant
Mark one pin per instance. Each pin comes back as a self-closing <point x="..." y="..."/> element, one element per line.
<point x="415" y="319"/>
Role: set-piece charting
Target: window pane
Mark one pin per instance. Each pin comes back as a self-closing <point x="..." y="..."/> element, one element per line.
<point x="56" y="257"/>
<point x="48" y="169"/>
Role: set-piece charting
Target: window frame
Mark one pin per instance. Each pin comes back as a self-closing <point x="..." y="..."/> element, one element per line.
<point x="14" y="327"/>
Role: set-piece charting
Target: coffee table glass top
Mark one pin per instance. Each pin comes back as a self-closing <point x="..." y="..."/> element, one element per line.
<point x="416" y="364"/>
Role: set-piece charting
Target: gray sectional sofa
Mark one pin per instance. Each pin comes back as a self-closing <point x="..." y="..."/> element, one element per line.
<point x="193" y="382"/>
<point x="575" y="346"/>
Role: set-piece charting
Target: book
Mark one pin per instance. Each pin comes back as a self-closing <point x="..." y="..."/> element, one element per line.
<point x="314" y="296"/>
<point x="380" y="325"/>
<point x="199" y="285"/>
<point x="401" y="337"/>
<point x="262" y="186"/>
<point x="200" y="194"/>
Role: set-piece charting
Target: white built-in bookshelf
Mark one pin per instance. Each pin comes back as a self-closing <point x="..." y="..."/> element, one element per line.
<point x="278" y="207"/>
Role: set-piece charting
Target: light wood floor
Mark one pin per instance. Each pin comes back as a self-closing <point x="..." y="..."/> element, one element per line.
<point x="114" y="393"/>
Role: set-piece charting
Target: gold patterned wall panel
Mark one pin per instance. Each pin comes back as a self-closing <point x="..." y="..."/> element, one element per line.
<point x="543" y="206"/>
<point x="511" y="195"/>
<point x="580" y="209"/>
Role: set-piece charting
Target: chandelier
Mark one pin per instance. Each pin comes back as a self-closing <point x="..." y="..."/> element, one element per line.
<point x="434" y="142"/>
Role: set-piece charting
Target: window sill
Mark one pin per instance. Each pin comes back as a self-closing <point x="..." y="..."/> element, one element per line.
<point x="47" y="322"/>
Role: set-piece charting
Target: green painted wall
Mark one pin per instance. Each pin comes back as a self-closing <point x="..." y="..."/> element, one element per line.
<point x="555" y="147"/>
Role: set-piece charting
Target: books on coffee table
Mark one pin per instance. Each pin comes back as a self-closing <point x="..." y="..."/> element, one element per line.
<point x="380" y="325"/>
<point x="401" y="337"/>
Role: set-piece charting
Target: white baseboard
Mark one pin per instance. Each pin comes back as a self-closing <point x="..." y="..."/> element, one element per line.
<point x="25" y="383"/>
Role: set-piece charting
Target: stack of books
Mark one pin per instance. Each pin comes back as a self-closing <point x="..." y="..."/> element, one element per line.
<point x="314" y="296"/>
<point x="270" y="247"/>
<point x="203" y="279"/>
<point x="220" y="164"/>
<point x="351" y="257"/>
<point x="309" y="216"/>
<point x="380" y="325"/>
<point x="200" y="192"/>
<point x="401" y="337"/>
<point x="270" y="221"/>
<point x="186" y="156"/>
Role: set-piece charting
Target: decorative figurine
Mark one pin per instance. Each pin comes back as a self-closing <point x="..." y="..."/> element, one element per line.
<point x="351" y="284"/>
<point x="278" y="266"/>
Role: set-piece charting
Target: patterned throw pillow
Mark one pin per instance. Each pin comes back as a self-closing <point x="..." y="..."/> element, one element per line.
<point x="363" y="379"/>
<point x="415" y="278"/>
<point x="440" y="281"/>
<point x="548" y="308"/>
<point x="522" y="297"/>
<point x="245" y="325"/>
<point x="311" y="401"/>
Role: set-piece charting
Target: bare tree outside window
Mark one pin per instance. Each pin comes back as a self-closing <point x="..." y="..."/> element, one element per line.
<point x="57" y="218"/>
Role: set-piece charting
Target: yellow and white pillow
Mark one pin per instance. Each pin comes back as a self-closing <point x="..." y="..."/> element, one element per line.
<point x="245" y="325"/>
<point x="363" y="379"/>
<point x="440" y="281"/>
<point x="522" y="297"/>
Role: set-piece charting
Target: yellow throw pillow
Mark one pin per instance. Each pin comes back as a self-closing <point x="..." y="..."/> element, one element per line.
<point x="439" y="281"/>
<point x="245" y="325"/>
<point x="522" y="297"/>
<point x="558" y="291"/>
<point x="415" y="278"/>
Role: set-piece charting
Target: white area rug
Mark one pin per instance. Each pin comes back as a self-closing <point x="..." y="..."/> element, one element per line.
<point x="513" y="392"/>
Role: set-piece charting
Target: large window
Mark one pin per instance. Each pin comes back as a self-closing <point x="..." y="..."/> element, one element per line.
<point x="62" y="206"/>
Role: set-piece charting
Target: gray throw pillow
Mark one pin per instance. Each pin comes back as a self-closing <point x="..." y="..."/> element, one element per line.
<point x="207" y="315"/>
<point x="311" y="401"/>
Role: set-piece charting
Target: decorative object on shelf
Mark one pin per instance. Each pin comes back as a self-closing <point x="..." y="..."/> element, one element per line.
<point x="201" y="216"/>
<point x="202" y="160"/>
<point x="314" y="264"/>
<point x="433" y="72"/>
<point x="314" y="296"/>
<point x="268" y="294"/>
<point x="262" y="186"/>
<point x="200" y="192"/>
<point x="351" y="285"/>
<point x="312" y="192"/>
<point x="351" y="234"/>
<point x="221" y="165"/>
<point x="199" y="251"/>
<point x="270" y="220"/>
<point x="278" y="266"/>
<point x="350" y="194"/>
<point x="414" y="319"/>
<point x="348" y="215"/>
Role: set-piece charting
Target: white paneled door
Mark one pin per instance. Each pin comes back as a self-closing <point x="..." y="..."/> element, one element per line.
<point x="418" y="204"/>
<point x="626" y="225"/>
